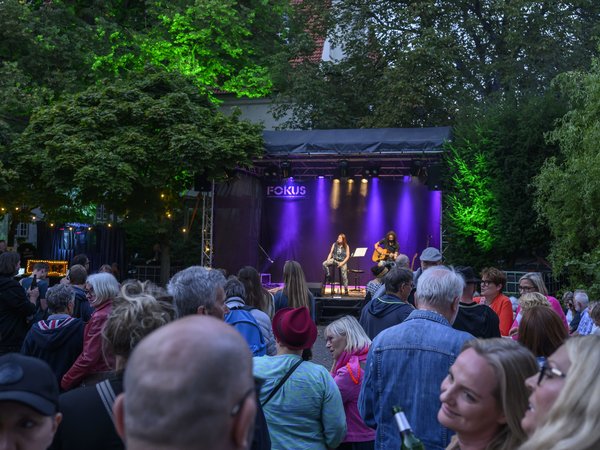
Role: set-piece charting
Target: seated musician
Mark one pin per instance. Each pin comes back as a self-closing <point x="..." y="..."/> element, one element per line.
<point x="338" y="257"/>
<point x="386" y="250"/>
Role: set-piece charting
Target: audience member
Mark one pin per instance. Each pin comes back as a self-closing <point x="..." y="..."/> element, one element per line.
<point x="184" y="389"/>
<point x="595" y="315"/>
<point x="527" y="301"/>
<point x="391" y="308"/>
<point x="484" y="395"/>
<point x="16" y="305"/>
<point x="92" y="365"/>
<point x="430" y="257"/>
<point x="563" y="411"/>
<point x="198" y="290"/>
<point x="493" y="281"/>
<point x="541" y="331"/>
<point x="28" y="403"/>
<point x="256" y="295"/>
<point x="58" y="340"/>
<point x="569" y="307"/>
<point x="81" y="308"/>
<point x="302" y="404"/>
<point x="402" y="260"/>
<point x="407" y="363"/>
<point x="349" y="346"/>
<point x="235" y="295"/>
<point x="582" y="303"/>
<point x="476" y="319"/>
<point x="373" y="285"/>
<point x="295" y="292"/>
<point x="40" y="271"/>
<point x="87" y="412"/>
<point x="534" y="282"/>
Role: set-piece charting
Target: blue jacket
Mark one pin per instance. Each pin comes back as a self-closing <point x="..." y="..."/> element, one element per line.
<point x="405" y="367"/>
<point x="383" y="312"/>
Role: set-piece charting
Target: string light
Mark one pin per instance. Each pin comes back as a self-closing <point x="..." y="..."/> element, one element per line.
<point x="184" y="230"/>
<point x="57" y="268"/>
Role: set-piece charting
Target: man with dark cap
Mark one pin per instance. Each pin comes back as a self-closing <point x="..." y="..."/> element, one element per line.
<point x="28" y="395"/>
<point x="479" y="320"/>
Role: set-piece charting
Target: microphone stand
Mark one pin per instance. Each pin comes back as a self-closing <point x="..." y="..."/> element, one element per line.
<point x="265" y="253"/>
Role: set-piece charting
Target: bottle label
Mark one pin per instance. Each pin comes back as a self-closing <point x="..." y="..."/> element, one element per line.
<point x="402" y="421"/>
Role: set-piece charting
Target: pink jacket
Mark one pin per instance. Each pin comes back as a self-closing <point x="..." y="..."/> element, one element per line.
<point x="91" y="360"/>
<point x="349" y="376"/>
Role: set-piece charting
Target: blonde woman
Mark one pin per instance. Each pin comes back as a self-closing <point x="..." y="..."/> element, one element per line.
<point x="349" y="346"/>
<point x="481" y="398"/>
<point x="563" y="412"/>
<point x="295" y="293"/>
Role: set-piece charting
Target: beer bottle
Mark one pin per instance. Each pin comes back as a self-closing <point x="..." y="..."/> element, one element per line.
<point x="409" y="440"/>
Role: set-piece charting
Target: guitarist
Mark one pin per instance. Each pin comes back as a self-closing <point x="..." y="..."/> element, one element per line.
<point x="386" y="250"/>
<point x="338" y="256"/>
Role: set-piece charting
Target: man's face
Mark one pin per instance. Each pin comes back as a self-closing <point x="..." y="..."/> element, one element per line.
<point x="23" y="428"/>
<point x="42" y="274"/>
<point x="220" y="308"/>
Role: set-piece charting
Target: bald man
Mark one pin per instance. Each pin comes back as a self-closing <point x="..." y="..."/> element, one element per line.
<point x="184" y="389"/>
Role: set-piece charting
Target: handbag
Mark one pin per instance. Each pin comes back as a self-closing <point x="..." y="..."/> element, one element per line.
<point x="281" y="382"/>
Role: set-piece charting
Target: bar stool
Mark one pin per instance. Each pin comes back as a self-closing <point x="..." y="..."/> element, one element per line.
<point x="356" y="273"/>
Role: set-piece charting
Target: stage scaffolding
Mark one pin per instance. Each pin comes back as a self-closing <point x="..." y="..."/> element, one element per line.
<point x="208" y="209"/>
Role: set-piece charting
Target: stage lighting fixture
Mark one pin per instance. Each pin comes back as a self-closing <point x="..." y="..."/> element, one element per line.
<point x="286" y="169"/>
<point x="271" y="171"/>
<point x="364" y="181"/>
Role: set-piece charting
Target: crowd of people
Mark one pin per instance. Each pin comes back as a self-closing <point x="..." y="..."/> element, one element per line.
<point x="219" y="362"/>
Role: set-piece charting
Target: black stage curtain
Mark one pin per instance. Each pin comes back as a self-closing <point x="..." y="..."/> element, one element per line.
<point x="237" y="215"/>
<point x="102" y="245"/>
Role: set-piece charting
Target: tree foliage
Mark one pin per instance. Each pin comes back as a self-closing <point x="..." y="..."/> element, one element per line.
<point x="568" y="186"/>
<point x="132" y="145"/>
<point x="424" y="60"/>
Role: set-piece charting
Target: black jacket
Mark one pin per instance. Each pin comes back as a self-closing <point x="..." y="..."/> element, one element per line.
<point x="15" y="308"/>
<point x="383" y="312"/>
<point x="57" y="340"/>
<point x="479" y="320"/>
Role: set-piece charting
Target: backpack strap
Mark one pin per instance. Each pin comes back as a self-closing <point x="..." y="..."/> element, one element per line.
<point x="281" y="382"/>
<point x="107" y="395"/>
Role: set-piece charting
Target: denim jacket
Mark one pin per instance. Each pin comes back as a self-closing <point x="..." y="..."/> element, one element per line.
<point x="405" y="367"/>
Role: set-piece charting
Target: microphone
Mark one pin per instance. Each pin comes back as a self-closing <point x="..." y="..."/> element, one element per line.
<point x="270" y="260"/>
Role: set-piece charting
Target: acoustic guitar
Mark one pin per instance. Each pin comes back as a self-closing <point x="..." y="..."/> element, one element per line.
<point x="380" y="255"/>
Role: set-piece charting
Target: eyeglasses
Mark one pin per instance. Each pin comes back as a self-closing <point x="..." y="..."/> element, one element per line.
<point x="526" y="288"/>
<point x="258" y="382"/>
<point x="549" y="372"/>
<point x="486" y="282"/>
<point x="89" y="291"/>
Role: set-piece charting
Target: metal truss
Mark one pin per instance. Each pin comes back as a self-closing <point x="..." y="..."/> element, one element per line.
<point x="208" y="208"/>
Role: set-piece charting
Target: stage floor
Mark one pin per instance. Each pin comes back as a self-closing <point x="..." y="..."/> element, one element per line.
<point x="357" y="293"/>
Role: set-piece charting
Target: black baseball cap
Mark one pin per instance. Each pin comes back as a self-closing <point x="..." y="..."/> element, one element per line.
<point x="468" y="274"/>
<point x="30" y="381"/>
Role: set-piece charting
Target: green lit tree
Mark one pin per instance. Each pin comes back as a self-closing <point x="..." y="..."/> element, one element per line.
<point x="568" y="186"/>
<point x="133" y="146"/>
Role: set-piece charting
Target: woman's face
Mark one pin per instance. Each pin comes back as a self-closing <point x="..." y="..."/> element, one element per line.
<point x="90" y="294"/>
<point x="335" y="344"/>
<point x="544" y="395"/>
<point x="526" y="286"/>
<point x="489" y="289"/>
<point x="340" y="239"/>
<point x="468" y="403"/>
<point x="23" y="428"/>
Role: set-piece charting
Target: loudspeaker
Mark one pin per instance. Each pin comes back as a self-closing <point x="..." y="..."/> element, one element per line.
<point x="315" y="288"/>
<point x="434" y="177"/>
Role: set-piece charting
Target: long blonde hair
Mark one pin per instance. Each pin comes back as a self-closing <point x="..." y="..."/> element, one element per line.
<point x="294" y="285"/>
<point x="512" y="364"/>
<point x="573" y="422"/>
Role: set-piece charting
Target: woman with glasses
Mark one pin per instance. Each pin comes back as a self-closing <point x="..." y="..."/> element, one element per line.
<point x="534" y="282"/>
<point x="483" y="398"/>
<point x="563" y="411"/>
<point x="493" y="281"/>
<point x="92" y="365"/>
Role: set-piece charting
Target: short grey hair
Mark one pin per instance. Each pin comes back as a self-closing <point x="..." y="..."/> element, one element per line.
<point x="581" y="297"/>
<point x="403" y="261"/>
<point x="439" y="286"/>
<point x="234" y="288"/>
<point x="105" y="286"/>
<point x="59" y="297"/>
<point x="194" y="287"/>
